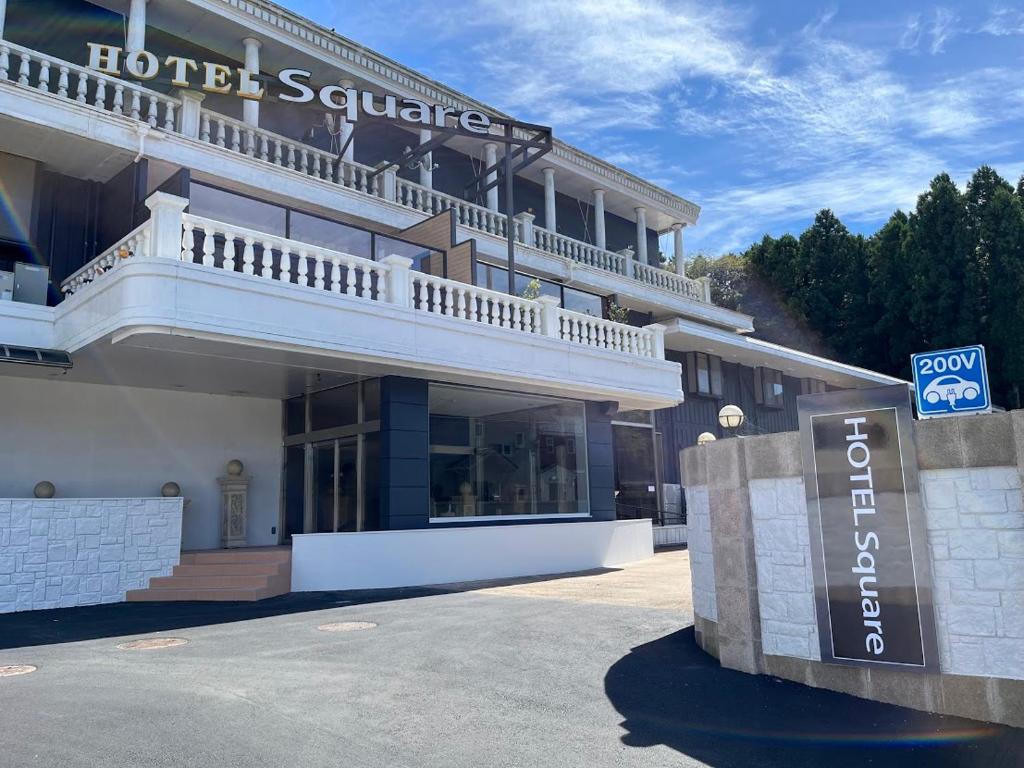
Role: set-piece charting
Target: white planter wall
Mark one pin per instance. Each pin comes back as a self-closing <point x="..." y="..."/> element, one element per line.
<point x="58" y="553"/>
<point x="385" y="559"/>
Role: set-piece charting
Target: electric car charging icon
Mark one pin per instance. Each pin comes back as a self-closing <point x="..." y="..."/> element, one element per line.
<point x="951" y="389"/>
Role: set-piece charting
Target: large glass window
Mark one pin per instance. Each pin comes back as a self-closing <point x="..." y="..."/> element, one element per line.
<point x="219" y="205"/>
<point x="329" y="234"/>
<point x="498" y="454"/>
<point x="496" y="279"/>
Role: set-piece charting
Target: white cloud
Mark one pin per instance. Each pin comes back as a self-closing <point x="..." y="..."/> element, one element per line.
<point x="1004" y="21"/>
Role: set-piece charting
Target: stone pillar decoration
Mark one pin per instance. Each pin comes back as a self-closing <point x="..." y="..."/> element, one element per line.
<point x="165" y="223"/>
<point x="525" y="222"/>
<point x="490" y="159"/>
<point x="346" y="128"/>
<point x="549" y="320"/>
<point x="398" y="284"/>
<point x="191" y="111"/>
<point x="234" y="505"/>
<point x="550" y="222"/>
<point x="136" y="40"/>
<point x="390" y="184"/>
<point x="677" y="248"/>
<point x="641" y="235"/>
<point x="732" y="535"/>
<point x="251" y="107"/>
<point x="599" y="236"/>
<point x="427" y="161"/>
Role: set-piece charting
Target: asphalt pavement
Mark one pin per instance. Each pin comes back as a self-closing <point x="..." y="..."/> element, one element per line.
<point x="592" y="670"/>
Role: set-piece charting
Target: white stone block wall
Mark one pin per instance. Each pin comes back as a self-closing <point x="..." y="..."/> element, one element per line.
<point x="785" y="576"/>
<point x="975" y="521"/>
<point x="58" y="553"/>
<point x="702" y="561"/>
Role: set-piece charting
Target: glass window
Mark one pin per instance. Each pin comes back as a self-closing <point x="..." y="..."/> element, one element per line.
<point x="636" y="490"/>
<point x="371" y="400"/>
<point x="768" y="388"/>
<point x="423" y="259"/>
<point x="335" y="407"/>
<point x="498" y="454"/>
<point x="295" y="416"/>
<point x="704" y="374"/>
<point x="235" y="209"/>
<point x="534" y="286"/>
<point x="329" y="234"/>
<point x="586" y="303"/>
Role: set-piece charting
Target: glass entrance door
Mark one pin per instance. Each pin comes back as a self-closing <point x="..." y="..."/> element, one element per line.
<point x="335" y="494"/>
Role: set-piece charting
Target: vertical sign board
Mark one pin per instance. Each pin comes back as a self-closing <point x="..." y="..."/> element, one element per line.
<point x="951" y="382"/>
<point x="872" y="576"/>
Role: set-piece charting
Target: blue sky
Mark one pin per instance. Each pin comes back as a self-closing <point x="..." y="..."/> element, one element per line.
<point x="762" y="113"/>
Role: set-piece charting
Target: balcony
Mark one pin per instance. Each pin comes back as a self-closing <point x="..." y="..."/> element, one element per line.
<point x="189" y="284"/>
<point x="31" y="71"/>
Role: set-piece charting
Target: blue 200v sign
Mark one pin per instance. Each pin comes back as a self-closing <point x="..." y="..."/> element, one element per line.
<point x="951" y="382"/>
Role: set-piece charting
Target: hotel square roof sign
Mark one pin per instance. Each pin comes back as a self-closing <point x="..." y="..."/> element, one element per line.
<point x="951" y="382"/>
<point x="872" y="580"/>
<point x="222" y="79"/>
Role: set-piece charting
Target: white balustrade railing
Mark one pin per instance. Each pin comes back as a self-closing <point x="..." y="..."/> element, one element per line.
<point x="466" y="213"/>
<point x="245" y="139"/>
<point x="65" y="80"/>
<point x="668" y="281"/>
<point x="171" y="234"/>
<point x="584" y="253"/>
<point x="480" y="305"/>
<point x="238" y="249"/>
<point x="137" y="243"/>
<point x="48" y="74"/>
<point x="606" y="334"/>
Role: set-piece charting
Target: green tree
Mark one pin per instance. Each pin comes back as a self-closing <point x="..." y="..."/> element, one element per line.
<point x="727" y="274"/>
<point x="1005" y="333"/>
<point x="982" y="221"/>
<point x="826" y="261"/>
<point x="937" y="249"/>
<point x="890" y="278"/>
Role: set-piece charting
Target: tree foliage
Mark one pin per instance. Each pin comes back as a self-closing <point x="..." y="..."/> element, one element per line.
<point x="948" y="274"/>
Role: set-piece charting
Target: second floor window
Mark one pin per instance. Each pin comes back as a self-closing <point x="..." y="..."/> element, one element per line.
<point x="768" y="388"/>
<point x="703" y="374"/>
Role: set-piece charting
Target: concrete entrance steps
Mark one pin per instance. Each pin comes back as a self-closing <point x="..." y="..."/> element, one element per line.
<point x="223" y="575"/>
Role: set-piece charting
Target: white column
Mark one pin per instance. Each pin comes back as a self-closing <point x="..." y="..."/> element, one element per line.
<point x="250" y="107"/>
<point x="346" y="128"/>
<point x="550" y="222"/>
<point x="641" y="235"/>
<point x="677" y="248"/>
<point x="599" y="237"/>
<point x="165" y="224"/>
<point x="3" y="16"/>
<point x="426" y="162"/>
<point x="136" y="26"/>
<point x="491" y="158"/>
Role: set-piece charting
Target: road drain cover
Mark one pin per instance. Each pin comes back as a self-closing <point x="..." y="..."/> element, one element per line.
<point x="152" y="643"/>
<point x="346" y="626"/>
<point x="13" y="670"/>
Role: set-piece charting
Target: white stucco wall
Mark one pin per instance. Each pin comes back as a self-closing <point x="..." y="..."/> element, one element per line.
<point x="95" y="441"/>
<point x="975" y="522"/>
<point x="702" y="561"/>
<point x="58" y="553"/>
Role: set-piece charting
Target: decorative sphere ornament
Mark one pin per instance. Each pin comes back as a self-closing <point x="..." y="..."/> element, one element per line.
<point x="170" y="490"/>
<point x="235" y="468"/>
<point x="45" y="490"/>
<point x="705" y="437"/>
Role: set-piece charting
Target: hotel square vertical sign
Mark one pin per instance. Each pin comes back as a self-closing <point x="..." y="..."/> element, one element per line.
<point x="872" y="574"/>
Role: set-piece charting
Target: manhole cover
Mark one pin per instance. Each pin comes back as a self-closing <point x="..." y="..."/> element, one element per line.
<point x="346" y="626"/>
<point x="152" y="643"/>
<point x="12" y="670"/>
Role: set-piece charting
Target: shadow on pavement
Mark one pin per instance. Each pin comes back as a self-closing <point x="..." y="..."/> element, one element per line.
<point x="70" y="625"/>
<point x="670" y="692"/>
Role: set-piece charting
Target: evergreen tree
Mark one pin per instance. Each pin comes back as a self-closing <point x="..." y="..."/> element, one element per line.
<point x="1005" y="333"/>
<point x="937" y="249"/>
<point x="826" y="262"/>
<point x="981" y="223"/>
<point x="890" y="278"/>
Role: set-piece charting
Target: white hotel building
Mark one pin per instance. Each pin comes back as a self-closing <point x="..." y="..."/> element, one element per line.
<point x="189" y="278"/>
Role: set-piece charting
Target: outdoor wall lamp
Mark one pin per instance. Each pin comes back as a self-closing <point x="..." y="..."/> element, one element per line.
<point x="705" y="437"/>
<point x="731" y="417"/>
